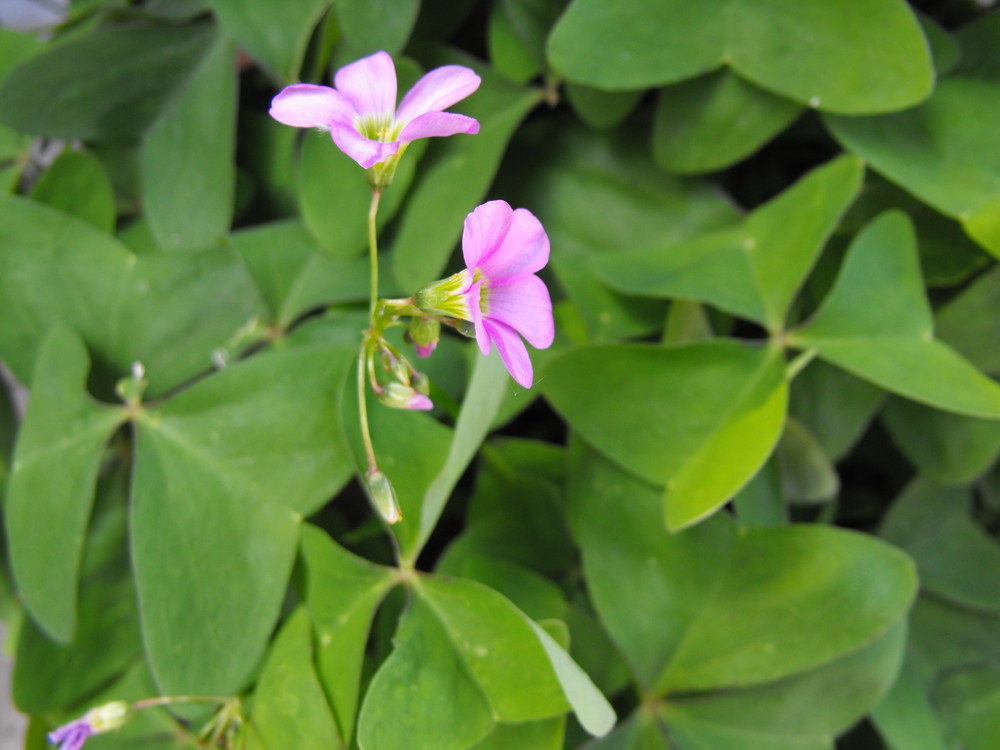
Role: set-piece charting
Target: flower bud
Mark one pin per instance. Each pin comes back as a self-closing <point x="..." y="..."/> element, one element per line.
<point x="425" y="332"/>
<point x="399" y="396"/>
<point x="383" y="496"/>
<point x="108" y="717"/>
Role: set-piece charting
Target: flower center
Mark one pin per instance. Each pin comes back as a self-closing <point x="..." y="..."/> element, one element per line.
<point x="380" y="128"/>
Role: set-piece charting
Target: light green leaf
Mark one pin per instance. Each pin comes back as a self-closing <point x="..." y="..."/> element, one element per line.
<point x="755" y="270"/>
<point x="944" y="152"/>
<point x="277" y="39"/>
<point x="591" y="708"/>
<point x="112" y="82"/>
<point x="857" y="57"/>
<point x="714" y="121"/>
<point x="77" y="184"/>
<point x="946" y="447"/>
<point x="424" y="694"/>
<point x="806" y="595"/>
<point x="342" y="592"/>
<point x="956" y="558"/>
<point x="454" y="177"/>
<point x="546" y="734"/>
<point x="632" y="403"/>
<point x="876" y="323"/>
<point x="498" y="646"/>
<point x="289" y="708"/>
<point x="188" y="176"/>
<point x="58" y="454"/>
<point x="537" y="596"/>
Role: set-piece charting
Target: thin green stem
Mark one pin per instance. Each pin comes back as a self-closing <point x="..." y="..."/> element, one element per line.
<point x="366" y="436"/>
<point x="168" y="700"/>
<point x="373" y="250"/>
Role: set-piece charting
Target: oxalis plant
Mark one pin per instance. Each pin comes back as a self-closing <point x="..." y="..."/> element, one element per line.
<point x="717" y="472"/>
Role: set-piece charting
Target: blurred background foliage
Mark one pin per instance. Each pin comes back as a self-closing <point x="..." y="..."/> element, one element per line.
<point x="753" y="500"/>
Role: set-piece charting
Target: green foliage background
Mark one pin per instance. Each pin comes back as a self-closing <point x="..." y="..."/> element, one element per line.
<point x="753" y="499"/>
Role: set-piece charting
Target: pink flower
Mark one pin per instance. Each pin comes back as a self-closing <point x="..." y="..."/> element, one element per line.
<point x="98" y="720"/>
<point x="499" y="291"/>
<point x="361" y="112"/>
<point x="72" y="735"/>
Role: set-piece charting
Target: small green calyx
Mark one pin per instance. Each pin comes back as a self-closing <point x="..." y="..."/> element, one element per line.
<point x="446" y="297"/>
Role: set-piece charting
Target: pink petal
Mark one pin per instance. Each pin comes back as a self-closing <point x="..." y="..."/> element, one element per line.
<point x="364" y="151"/>
<point x="485" y="227"/>
<point x="526" y="307"/>
<point x="426" y="351"/>
<point x="304" y="105"/>
<point x="370" y="84"/>
<point x="420" y="402"/>
<point x="472" y="300"/>
<point x="523" y="249"/>
<point x="438" y="124"/>
<point x="436" y="91"/>
<point x="512" y="351"/>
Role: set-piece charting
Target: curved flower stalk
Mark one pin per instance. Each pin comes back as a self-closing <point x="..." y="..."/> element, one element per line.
<point x="499" y="291"/>
<point x="361" y="113"/>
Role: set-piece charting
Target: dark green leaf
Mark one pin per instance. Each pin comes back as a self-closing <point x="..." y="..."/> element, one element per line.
<point x="51" y="491"/>
<point x="632" y="403"/>
<point x="969" y="323"/>
<point x="869" y="56"/>
<point x="294" y="274"/>
<point x="342" y="592"/>
<point x="77" y="184"/>
<point x="806" y="595"/>
<point x="109" y="83"/>
<point x="956" y="558"/>
<point x="806" y="472"/>
<point x="290" y="709"/>
<point x="372" y="25"/>
<point x="946" y="447"/>
<point x="454" y="177"/>
<point x="876" y="323"/>
<point x="277" y="39"/>
<point x="755" y="270"/>
<point x="423" y="695"/>
<point x="835" y="406"/>
<point x="188" y="176"/>
<point x="943" y="152"/>
<point x="714" y="121"/>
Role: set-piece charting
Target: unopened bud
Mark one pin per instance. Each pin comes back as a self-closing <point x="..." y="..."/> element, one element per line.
<point x="383" y="496"/>
<point x="399" y="396"/>
<point x="425" y="332"/>
<point x="108" y="717"/>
